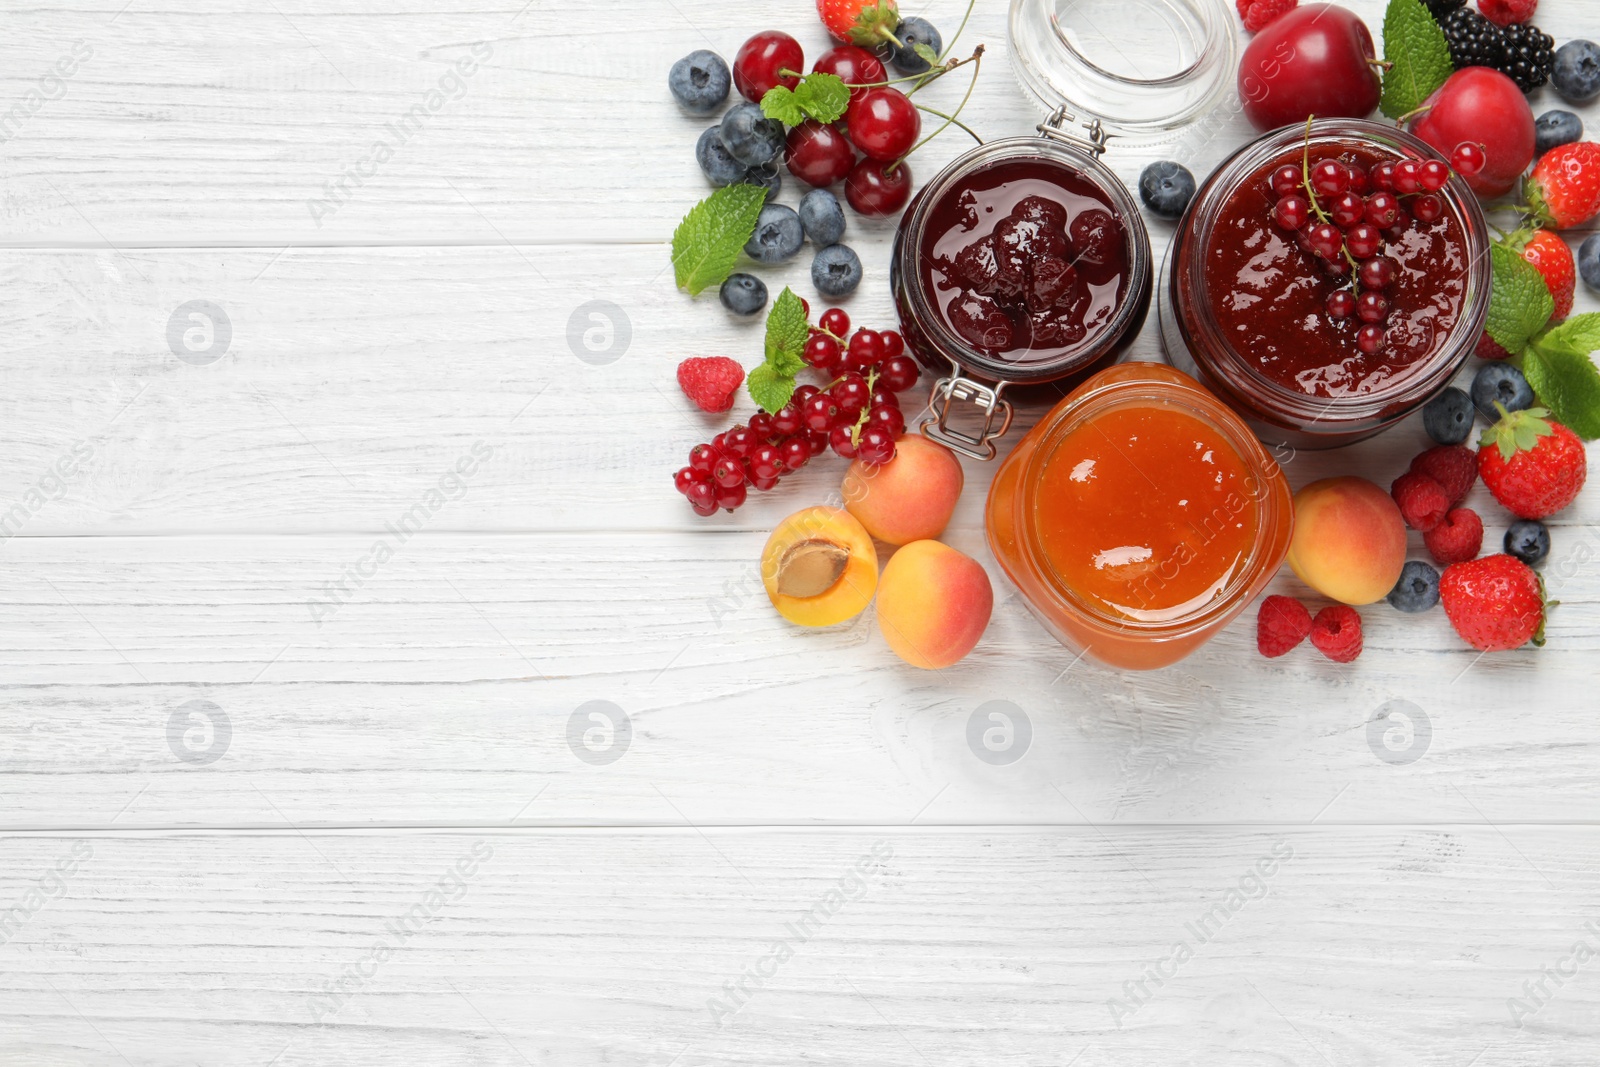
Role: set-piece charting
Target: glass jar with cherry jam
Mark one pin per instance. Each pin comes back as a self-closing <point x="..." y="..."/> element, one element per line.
<point x="1024" y="262"/>
<point x="1328" y="285"/>
<point x="1139" y="517"/>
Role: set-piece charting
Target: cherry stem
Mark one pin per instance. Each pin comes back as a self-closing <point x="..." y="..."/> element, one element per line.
<point x="951" y="118"/>
<point x="921" y="79"/>
<point x="1311" y="195"/>
<point x="1409" y="115"/>
<point x="1380" y="64"/>
<point x="977" y="65"/>
<point x="970" y="5"/>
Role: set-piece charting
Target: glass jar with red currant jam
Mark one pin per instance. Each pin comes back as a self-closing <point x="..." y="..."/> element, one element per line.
<point x="1024" y="262"/>
<point x="1327" y="283"/>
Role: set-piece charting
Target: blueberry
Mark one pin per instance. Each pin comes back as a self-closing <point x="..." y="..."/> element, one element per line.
<point x="822" y="217"/>
<point x="1503" y="383"/>
<point x="719" y="167"/>
<point x="1166" y="188"/>
<point x="769" y="177"/>
<point x="1448" y="417"/>
<point x="912" y="32"/>
<point x="743" y="294"/>
<point x="1528" y="540"/>
<point x="1576" y="76"/>
<point x="1555" y="128"/>
<point x="1589" y="261"/>
<point x="836" y="270"/>
<point x="1418" y="588"/>
<point x="751" y="137"/>
<point x="778" y="235"/>
<point x="700" y="81"/>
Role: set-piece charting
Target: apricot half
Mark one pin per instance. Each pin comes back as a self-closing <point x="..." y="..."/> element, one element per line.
<point x="911" y="497"/>
<point x="933" y="604"/>
<point x="820" y="567"/>
<point x="1349" y="539"/>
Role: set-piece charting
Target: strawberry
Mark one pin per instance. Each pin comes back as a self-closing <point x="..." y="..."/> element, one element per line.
<point x="1532" y="464"/>
<point x="710" y="381"/>
<point x="1553" y="259"/>
<point x="868" y="23"/>
<point x="1564" y="189"/>
<point x="1495" y="603"/>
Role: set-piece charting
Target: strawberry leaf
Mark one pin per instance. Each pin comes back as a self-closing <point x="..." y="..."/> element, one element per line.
<point x="782" y="104"/>
<point x="1418" y="54"/>
<point x="1520" y="304"/>
<point x="707" y="243"/>
<point x="1567" y="382"/>
<point x="822" y="96"/>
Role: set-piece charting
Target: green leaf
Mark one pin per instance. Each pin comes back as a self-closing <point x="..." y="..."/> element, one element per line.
<point x="823" y="96"/>
<point x="1520" y="303"/>
<point x="769" y="388"/>
<point x="1567" y="382"/>
<point x="1419" y="55"/>
<point x="783" y="105"/>
<point x="707" y="243"/>
<point x="1580" y="334"/>
<point x="929" y="56"/>
<point x="772" y="384"/>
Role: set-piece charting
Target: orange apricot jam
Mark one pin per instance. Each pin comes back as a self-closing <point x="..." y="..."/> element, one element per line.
<point x="1139" y="517"/>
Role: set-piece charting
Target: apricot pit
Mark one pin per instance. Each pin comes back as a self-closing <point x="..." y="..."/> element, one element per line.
<point x="819" y="567"/>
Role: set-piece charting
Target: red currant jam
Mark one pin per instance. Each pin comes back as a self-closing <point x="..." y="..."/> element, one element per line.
<point x="1026" y="261"/>
<point x="1271" y="288"/>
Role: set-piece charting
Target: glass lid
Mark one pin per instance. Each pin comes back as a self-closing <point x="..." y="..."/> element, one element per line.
<point x="1147" y="69"/>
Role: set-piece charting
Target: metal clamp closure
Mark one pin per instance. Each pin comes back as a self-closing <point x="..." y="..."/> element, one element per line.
<point x="1092" y="140"/>
<point x="948" y="391"/>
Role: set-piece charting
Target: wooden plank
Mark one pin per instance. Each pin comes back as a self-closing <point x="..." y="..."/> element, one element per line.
<point x="443" y="689"/>
<point x="908" y="948"/>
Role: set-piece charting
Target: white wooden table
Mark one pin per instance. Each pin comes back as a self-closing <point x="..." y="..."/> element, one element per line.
<point x="251" y="817"/>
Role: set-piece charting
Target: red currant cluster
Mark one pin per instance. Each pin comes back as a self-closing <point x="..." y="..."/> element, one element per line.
<point x="857" y="414"/>
<point x="1344" y="214"/>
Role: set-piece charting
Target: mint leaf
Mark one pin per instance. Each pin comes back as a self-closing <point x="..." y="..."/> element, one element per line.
<point x="1565" y="379"/>
<point x="782" y="104"/>
<point x="772" y="384"/>
<point x="707" y="243"/>
<point x="769" y="388"/>
<point x="1420" y="56"/>
<point x="823" y="96"/>
<point x="1520" y="303"/>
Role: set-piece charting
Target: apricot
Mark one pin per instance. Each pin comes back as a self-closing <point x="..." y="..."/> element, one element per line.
<point x="1349" y="539"/>
<point x="820" y="567"/>
<point x="933" y="604"/>
<point x="911" y="497"/>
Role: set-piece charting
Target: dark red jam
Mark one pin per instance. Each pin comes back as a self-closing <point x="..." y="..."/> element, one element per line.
<point x="1269" y="294"/>
<point x="1028" y="263"/>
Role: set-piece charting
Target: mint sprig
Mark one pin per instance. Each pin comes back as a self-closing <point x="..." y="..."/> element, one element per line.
<point x="1520" y="303"/>
<point x="1417" y="54"/>
<point x="1558" y="366"/>
<point x="823" y="97"/>
<point x="707" y="243"/>
<point x="772" y="384"/>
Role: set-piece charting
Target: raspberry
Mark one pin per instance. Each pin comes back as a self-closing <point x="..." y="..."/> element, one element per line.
<point x="1505" y="12"/>
<point x="1264" y="12"/>
<point x="1281" y="624"/>
<point x="710" y="381"/>
<point x="1457" y="539"/>
<point x="1336" y="632"/>
<point x="1454" y="467"/>
<point x="1422" y="500"/>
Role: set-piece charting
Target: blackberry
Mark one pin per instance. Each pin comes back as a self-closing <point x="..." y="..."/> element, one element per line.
<point x="1530" y="55"/>
<point x="1440" y="8"/>
<point x="1521" y="51"/>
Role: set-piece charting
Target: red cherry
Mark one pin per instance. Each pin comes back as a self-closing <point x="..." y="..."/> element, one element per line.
<point x="836" y="321"/>
<point x="1286" y="180"/>
<point x="883" y="123"/>
<point x="853" y="65"/>
<point x="1314" y="60"/>
<point x="755" y="68"/>
<point x="1483" y="107"/>
<point x="873" y="190"/>
<point x="1369" y="338"/>
<point x="1372" y="306"/>
<point x="1383" y="210"/>
<point x="1341" y="304"/>
<point x="1468" y="159"/>
<point x="1427" y="208"/>
<point x="1292" y="212"/>
<point x="818" y="154"/>
<point x="1347" y="210"/>
<point x="1364" y="240"/>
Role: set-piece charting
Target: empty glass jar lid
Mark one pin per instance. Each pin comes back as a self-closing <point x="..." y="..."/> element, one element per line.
<point x="1147" y="69"/>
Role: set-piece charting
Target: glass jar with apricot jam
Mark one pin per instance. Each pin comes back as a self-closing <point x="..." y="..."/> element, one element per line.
<point x="1251" y="307"/>
<point x="1023" y="263"/>
<point x="1139" y="517"/>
